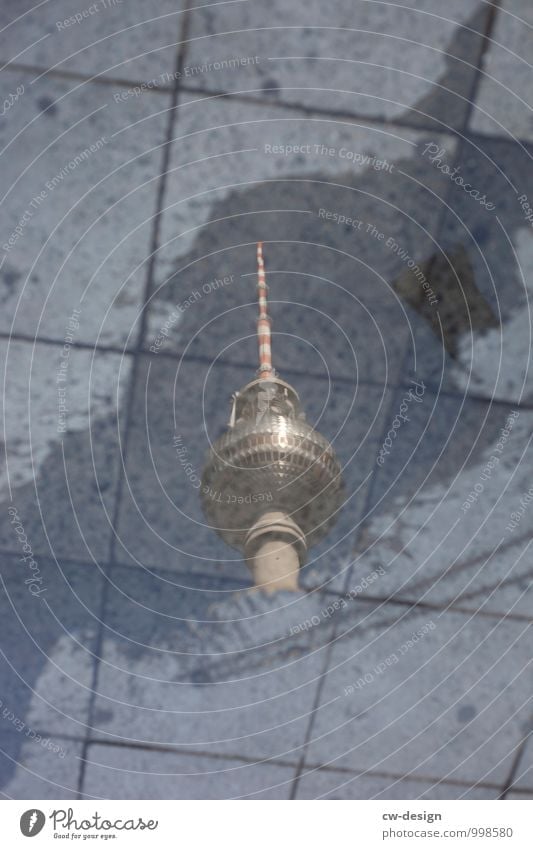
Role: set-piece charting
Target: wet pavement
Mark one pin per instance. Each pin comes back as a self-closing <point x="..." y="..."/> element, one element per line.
<point x="382" y="152"/>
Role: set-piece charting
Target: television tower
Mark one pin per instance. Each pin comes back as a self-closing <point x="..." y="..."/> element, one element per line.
<point x="271" y="485"/>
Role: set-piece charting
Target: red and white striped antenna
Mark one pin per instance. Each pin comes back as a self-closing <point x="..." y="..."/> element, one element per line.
<point x="263" y="322"/>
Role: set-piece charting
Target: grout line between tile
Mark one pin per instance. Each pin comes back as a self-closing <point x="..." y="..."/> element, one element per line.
<point x="167" y="146"/>
<point x="336" y="625"/>
<point x="235" y="584"/>
<point x="291" y="372"/>
<point x="93" y="685"/>
<point x="229" y="756"/>
<point x="474" y="89"/>
<point x="132" y="386"/>
<point x="377" y="121"/>
<point x="508" y="786"/>
<point x="440" y="223"/>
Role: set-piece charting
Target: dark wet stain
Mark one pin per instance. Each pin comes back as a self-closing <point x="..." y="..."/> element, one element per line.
<point x="271" y="87"/>
<point x="461" y="307"/>
<point x="304" y="242"/>
<point x="481" y="234"/>
<point x="448" y="100"/>
<point x="9" y="279"/>
<point x="527" y="727"/>
<point x="201" y="676"/>
<point x="125" y="299"/>
<point x="466" y="713"/>
<point x="46" y="104"/>
<point x="102" y="716"/>
<point x="208" y="19"/>
<point x="101" y="486"/>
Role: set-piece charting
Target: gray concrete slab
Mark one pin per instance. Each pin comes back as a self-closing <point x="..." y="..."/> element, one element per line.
<point x="79" y="186"/>
<point x="447" y="520"/>
<point x="208" y="668"/>
<point x="411" y="692"/>
<point x="331" y="784"/>
<point x="62" y="464"/>
<point x="48" y="660"/>
<point x="111" y="38"/>
<point x="368" y="59"/>
<point x="330" y="198"/>
<point x="38" y="768"/>
<point x="503" y="103"/>
<point x="189" y="402"/>
<point x="128" y="773"/>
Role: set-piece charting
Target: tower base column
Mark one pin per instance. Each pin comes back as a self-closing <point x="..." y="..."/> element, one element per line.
<point x="275" y="549"/>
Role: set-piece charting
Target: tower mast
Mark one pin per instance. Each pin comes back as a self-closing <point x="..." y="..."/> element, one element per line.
<point x="265" y="371"/>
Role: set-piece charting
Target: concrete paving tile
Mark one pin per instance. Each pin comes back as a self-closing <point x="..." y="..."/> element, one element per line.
<point x="113" y="38"/>
<point x="240" y="173"/>
<point x="38" y="768"/>
<point x="161" y="521"/>
<point x="61" y="466"/>
<point x="48" y="645"/>
<point x="478" y="338"/>
<point x="385" y="61"/>
<point x="209" y="669"/>
<point x="448" y="518"/>
<point x="328" y="784"/>
<point x="503" y="102"/>
<point x="410" y="692"/>
<point x="79" y="187"/>
<point x="126" y="773"/>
